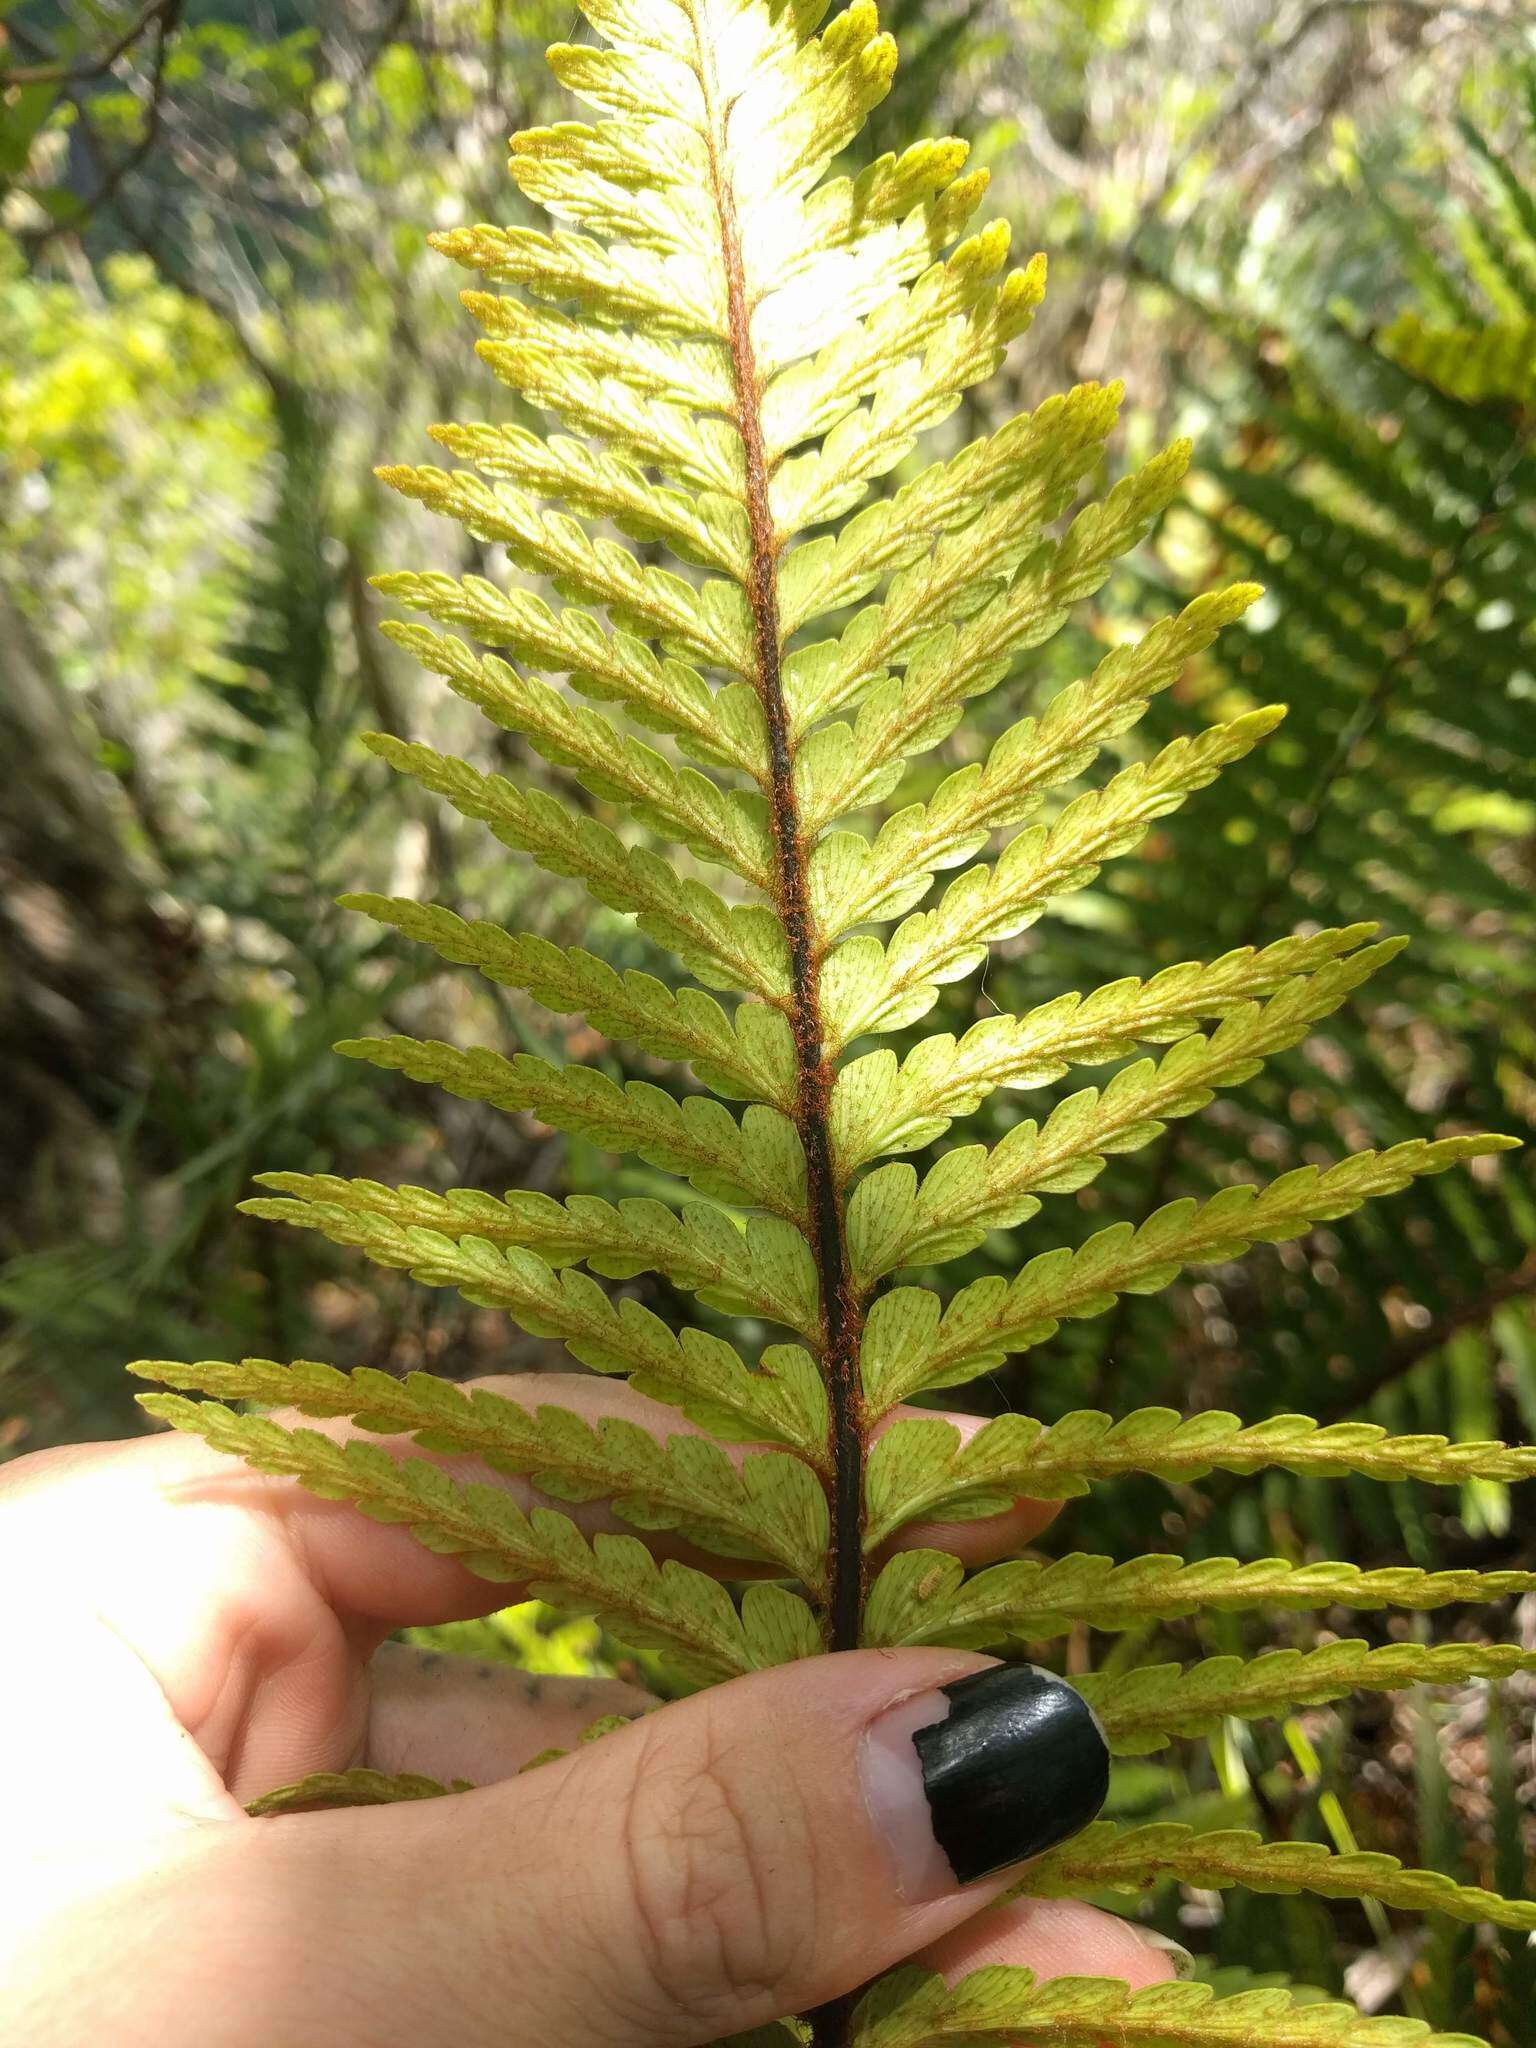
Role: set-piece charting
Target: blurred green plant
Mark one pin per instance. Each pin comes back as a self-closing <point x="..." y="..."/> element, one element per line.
<point x="530" y="1635"/>
<point x="186" y="649"/>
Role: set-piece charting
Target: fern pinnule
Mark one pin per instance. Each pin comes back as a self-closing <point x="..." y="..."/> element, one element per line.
<point x="1107" y="1857"/>
<point x="921" y="1466"/>
<point x="323" y="1791"/>
<point x="913" y="2008"/>
<point x="735" y="346"/>
<point x="919" y="1596"/>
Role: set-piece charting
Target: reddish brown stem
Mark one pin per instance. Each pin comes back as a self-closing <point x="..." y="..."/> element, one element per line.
<point x="840" y="1307"/>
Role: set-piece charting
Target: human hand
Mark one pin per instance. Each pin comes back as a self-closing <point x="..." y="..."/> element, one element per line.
<point x="186" y="1634"/>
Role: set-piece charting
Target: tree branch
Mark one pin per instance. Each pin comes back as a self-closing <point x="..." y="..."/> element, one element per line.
<point x="160" y="15"/>
<point x="166" y="17"/>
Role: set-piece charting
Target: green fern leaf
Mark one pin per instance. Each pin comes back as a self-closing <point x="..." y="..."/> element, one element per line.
<point x="910" y="1345"/>
<point x="870" y="987"/>
<point x="913" y="2007"/>
<point x="749" y="1054"/>
<point x="680" y="803"/>
<point x="895" y="1220"/>
<point x="724" y="726"/>
<point x="741" y="354"/>
<point x="772" y="1508"/>
<point x="758" y="1162"/>
<point x="1029" y="760"/>
<point x="1494" y="360"/>
<point x="919" y="1597"/>
<point x="921" y="1468"/>
<point x="1001" y="492"/>
<point x="879" y="1107"/>
<point x="634" y="383"/>
<point x="614" y="284"/>
<point x="782" y="1401"/>
<point x="916" y="623"/>
<point x="725" y="945"/>
<point x="708" y="529"/>
<point x="668" y="1606"/>
<point x="812" y="396"/>
<point x="1106" y="1857"/>
<point x="323" y="1790"/>
<point x="763" y="1269"/>
<point x="1145" y="1709"/>
<point x="709" y="625"/>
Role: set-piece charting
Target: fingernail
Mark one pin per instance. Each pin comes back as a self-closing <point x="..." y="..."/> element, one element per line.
<point x="1178" y="1955"/>
<point x="982" y="1774"/>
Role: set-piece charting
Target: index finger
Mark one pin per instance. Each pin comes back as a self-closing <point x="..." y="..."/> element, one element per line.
<point x="206" y="1553"/>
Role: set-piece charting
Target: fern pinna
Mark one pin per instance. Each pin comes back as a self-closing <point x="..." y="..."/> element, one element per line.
<point x="746" y="348"/>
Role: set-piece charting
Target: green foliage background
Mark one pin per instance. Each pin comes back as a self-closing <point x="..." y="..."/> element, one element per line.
<point x="1306" y="235"/>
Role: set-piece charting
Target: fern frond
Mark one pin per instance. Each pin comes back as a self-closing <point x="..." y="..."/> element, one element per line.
<point x="326" y="1789"/>
<point x="730" y="946"/>
<point x="896" y="1220"/>
<point x="597" y="178"/>
<point x="758" y="1162"/>
<point x="830" y="480"/>
<point x="1029" y="760"/>
<point x="919" y="1596"/>
<point x="659" y="690"/>
<point x="639" y="603"/>
<point x="1147" y="1708"/>
<point x="737" y="349"/>
<point x="1493" y="360"/>
<point x="913" y="1342"/>
<point x="569" y="369"/>
<point x="781" y="1401"/>
<point x="921" y="1467"/>
<point x="710" y="625"/>
<point x="921" y="195"/>
<point x="1001" y="491"/>
<point x="830" y="299"/>
<point x="867" y="986"/>
<point x="764" y="1268"/>
<point x="908" y="399"/>
<point x="1106" y="1857"/>
<point x="668" y="1606"/>
<point x="708" y="529"/>
<point x="747" y="1055"/>
<point x="616" y="284"/>
<point x="582" y="372"/>
<point x="914" y="2007"/>
<point x="771" y="1507"/>
<point x="944" y="667"/>
<point x="679" y="803"/>
<point x="811" y="397"/>
<point x="879" y="1107"/>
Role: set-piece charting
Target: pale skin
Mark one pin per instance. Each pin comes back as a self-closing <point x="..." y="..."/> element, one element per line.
<point x="184" y="1634"/>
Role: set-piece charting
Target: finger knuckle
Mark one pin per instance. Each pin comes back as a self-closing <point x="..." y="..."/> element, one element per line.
<point x="720" y="1880"/>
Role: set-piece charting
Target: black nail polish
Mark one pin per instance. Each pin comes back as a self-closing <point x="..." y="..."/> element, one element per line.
<point x="1018" y="1765"/>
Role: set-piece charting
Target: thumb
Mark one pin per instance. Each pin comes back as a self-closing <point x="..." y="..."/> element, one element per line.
<point x="754" y="1851"/>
